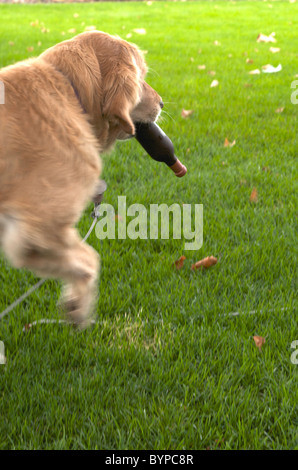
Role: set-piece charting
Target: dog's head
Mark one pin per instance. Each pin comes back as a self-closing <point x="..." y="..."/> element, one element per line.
<point x="108" y="75"/>
<point x="125" y="96"/>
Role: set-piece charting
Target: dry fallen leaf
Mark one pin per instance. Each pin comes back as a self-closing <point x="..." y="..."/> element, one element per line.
<point x="266" y="168"/>
<point x="202" y="67"/>
<point x="139" y="30"/>
<point x="249" y="61"/>
<point x="279" y="110"/>
<point x="229" y="144"/>
<point x="268" y="68"/>
<point x="259" y="341"/>
<point x="274" y="50"/>
<point x="30" y="49"/>
<point x="263" y="38"/>
<point x="254" y="195"/>
<point x="186" y="113"/>
<point x="214" y="83"/>
<point x="180" y="262"/>
<point x="204" y="263"/>
<point x="254" y="72"/>
<point x="219" y="442"/>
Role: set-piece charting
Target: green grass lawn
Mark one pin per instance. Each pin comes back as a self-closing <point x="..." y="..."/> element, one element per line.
<point x="165" y="367"/>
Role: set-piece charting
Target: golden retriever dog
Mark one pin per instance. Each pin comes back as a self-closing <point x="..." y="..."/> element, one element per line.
<point x="62" y="109"/>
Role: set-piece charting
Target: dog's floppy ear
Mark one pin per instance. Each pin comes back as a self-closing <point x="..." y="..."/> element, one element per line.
<point x="119" y="98"/>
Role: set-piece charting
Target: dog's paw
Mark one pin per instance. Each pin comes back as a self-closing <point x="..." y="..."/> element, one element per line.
<point x="75" y="313"/>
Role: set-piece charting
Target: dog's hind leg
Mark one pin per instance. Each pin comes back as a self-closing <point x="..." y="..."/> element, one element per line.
<point x="62" y="257"/>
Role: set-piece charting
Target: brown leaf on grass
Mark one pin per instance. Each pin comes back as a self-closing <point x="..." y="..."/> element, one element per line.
<point x="254" y="72"/>
<point x="274" y="50"/>
<point x="214" y="83"/>
<point x="259" y="341"/>
<point x="229" y="144"/>
<point x="180" y="262"/>
<point x="219" y="442"/>
<point x="268" y="68"/>
<point x="249" y="61"/>
<point x="139" y="30"/>
<point x="30" y="49"/>
<point x="186" y="113"/>
<point x="254" y="195"/>
<point x="204" y="263"/>
<point x="263" y="38"/>
<point x="279" y="110"/>
<point x="266" y="168"/>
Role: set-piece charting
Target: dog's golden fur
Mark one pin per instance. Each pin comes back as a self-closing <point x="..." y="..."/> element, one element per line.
<point x="61" y="111"/>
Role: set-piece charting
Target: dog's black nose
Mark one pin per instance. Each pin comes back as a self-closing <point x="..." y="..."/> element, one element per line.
<point x="161" y="104"/>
